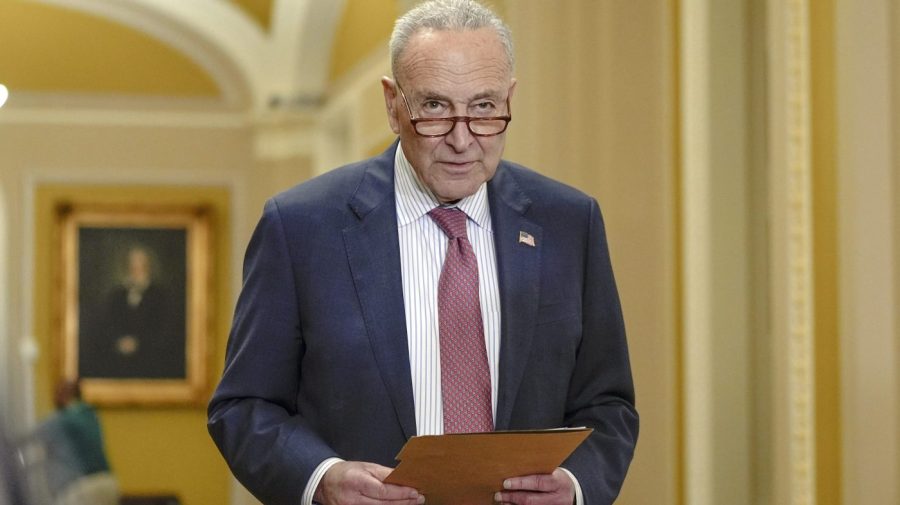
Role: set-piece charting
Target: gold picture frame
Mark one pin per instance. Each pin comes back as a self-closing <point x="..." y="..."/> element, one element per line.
<point x="135" y="301"/>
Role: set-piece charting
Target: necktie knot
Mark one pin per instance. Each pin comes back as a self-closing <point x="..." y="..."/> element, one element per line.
<point x="451" y="220"/>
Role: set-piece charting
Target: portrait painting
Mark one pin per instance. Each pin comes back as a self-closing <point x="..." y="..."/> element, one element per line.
<point x="135" y="289"/>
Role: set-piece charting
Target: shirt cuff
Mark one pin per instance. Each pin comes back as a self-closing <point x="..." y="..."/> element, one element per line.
<point x="316" y="477"/>
<point x="579" y="497"/>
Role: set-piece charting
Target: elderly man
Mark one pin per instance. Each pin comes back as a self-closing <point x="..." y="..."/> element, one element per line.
<point x="432" y="289"/>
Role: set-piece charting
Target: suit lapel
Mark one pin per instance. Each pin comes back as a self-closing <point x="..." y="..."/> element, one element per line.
<point x="518" y="266"/>
<point x="373" y="252"/>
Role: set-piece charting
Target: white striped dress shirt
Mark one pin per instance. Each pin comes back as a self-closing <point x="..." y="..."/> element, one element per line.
<point x="423" y="247"/>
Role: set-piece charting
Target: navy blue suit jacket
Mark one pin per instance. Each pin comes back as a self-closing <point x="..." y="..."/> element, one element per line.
<point x="317" y="362"/>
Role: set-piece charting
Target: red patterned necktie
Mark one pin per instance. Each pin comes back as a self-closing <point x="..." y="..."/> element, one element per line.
<point x="465" y="376"/>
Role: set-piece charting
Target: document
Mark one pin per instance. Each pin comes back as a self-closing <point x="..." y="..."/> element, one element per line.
<point x="468" y="468"/>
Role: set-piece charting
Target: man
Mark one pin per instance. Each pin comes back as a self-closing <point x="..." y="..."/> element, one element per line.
<point x="347" y="335"/>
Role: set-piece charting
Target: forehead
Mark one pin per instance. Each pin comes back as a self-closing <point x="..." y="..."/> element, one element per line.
<point x="455" y="62"/>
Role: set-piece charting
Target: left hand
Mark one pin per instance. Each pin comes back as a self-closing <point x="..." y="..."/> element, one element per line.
<point x="548" y="489"/>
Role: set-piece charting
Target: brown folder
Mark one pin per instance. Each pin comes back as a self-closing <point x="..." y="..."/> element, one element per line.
<point x="468" y="468"/>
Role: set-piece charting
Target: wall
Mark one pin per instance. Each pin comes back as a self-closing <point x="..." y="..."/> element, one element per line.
<point x="868" y="171"/>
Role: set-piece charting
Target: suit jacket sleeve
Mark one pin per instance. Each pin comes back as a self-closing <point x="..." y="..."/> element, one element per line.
<point x="601" y="392"/>
<point x="253" y="416"/>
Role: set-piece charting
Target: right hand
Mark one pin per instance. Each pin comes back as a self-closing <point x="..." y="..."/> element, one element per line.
<point x="359" y="483"/>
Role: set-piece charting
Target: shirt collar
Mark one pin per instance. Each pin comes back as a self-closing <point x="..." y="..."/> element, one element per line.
<point x="415" y="199"/>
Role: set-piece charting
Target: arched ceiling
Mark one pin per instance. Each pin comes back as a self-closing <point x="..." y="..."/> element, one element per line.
<point x="50" y="49"/>
<point x="240" y="53"/>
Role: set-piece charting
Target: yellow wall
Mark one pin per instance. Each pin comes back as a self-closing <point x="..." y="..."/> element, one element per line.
<point x="158" y="450"/>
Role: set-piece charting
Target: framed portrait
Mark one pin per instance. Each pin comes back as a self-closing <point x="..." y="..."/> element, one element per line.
<point x="135" y="301"/>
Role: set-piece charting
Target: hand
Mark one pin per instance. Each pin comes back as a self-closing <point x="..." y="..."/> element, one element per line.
<point x="358" y="483"/>
<point x="548" y="489"/>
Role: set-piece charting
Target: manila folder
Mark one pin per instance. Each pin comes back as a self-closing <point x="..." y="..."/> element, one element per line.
<point x="468" y="468"/>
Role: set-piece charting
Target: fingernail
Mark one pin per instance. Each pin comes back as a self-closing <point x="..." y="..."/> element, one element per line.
<point x="420" y="500"/>
<point x="507" y="484"/>
<point x="497" y="497"/>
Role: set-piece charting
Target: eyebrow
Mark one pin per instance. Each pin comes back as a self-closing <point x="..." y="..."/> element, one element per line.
<point x="430" y="95"/>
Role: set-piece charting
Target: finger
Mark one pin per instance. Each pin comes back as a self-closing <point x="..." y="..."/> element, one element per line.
<point x="365" y="500"/>
<point x="527" y="498"/>
<point x="541" y="482"/>
<point x="378" y="490"/>
<point x="389" y="492"/>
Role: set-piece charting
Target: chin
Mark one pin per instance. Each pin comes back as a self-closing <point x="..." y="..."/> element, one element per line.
<point x="456" y="194"/>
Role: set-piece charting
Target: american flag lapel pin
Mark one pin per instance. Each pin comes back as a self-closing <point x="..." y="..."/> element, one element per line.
<point x="526" y="238"/>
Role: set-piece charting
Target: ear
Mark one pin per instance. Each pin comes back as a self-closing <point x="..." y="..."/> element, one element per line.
<point x="390" y="102"/>
<point x="512" y="88"/>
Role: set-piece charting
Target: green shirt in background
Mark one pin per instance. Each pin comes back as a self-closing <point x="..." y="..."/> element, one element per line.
<point x="73" y="442"/>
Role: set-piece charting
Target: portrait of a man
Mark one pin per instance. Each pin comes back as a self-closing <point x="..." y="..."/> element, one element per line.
<point x="132" y="303"/>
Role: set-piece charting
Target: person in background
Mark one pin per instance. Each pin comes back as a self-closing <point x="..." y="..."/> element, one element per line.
<point x="433" y="289"/>
<point x="77" y="469"/>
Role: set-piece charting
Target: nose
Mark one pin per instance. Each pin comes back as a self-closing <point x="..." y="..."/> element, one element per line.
<point x="459" y="137"/>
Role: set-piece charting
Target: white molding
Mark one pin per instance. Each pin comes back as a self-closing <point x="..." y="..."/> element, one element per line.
<point x="25" y="324"/>
<point x="81" y="109"/>
<point x="303" y="56"/>
<point x="137" y="118"/>
<point x="800" y="323"/>
<point x="791" y="228"/>
<point x="698" y="375"/>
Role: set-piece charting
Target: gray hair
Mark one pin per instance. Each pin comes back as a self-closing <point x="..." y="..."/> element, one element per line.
<point x="447" y="15"/>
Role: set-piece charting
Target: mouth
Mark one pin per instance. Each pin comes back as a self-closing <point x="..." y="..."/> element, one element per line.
<point x="458" y="165"/>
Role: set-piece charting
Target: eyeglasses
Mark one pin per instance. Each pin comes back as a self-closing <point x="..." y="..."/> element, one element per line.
<point x="441" y="126"/>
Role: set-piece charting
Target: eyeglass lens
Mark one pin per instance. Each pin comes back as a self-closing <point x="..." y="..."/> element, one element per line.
<point x="443" y="126"/>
